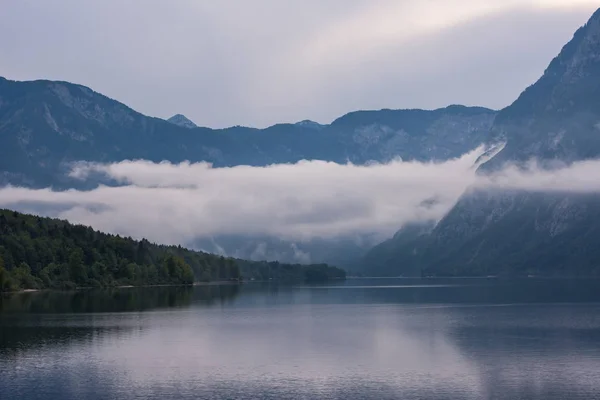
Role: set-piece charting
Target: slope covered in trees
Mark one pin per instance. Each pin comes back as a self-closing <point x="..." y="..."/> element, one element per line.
<point x="38" y="252"/>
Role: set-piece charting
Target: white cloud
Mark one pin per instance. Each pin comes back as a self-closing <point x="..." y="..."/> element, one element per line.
<point x="579" y="177"/>
<point x="175" y="203"/>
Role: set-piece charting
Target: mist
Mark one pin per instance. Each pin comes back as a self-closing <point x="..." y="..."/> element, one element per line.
<point x="178" y="203"/>
<point x="173" y="203"/>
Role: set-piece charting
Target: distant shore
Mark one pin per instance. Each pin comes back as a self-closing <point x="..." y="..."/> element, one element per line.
<point x="211" y="283"/>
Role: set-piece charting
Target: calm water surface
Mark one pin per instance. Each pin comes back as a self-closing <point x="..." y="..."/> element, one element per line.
<point x="362" y="339"/>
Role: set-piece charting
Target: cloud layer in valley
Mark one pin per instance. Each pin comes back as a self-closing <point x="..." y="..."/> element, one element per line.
<point x="174" y="203"/>
<point x="177" y="203"/>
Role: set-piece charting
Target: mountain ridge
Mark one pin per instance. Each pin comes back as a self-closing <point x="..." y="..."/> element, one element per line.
<point x="494" y="232"/>
<point x="450" y="107"/>
<point x="45" y="125"/>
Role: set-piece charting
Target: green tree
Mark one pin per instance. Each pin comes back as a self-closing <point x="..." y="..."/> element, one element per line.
<point x="22" y="277"/>
<point x="4" y="277"/>
<point x="44" y="252"/>
<point x="77" y="270"/>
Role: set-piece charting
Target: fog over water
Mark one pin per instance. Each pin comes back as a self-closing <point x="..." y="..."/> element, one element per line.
<point x="175" y="203"/>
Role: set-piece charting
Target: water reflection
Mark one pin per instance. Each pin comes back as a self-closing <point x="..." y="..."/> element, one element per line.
<point x="468" y="340"/>
<point x="459" y="291"/>
<point x="24" y="325"/>
<point x="544" y="351"/>
<point x="116" y="300"/>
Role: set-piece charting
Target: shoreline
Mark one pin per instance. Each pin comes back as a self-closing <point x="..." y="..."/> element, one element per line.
<point x="213" y="283"/>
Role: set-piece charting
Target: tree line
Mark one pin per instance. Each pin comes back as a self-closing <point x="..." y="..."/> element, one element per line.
<point x="38" y="252"/>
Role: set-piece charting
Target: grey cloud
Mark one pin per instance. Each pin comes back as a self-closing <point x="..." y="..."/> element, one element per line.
<point x="257" y="63"/>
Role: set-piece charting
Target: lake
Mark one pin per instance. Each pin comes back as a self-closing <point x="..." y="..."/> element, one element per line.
<point x="359" y="339"/>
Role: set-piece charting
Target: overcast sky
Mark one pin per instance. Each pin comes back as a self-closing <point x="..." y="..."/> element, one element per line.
<point x="259" y="62"/>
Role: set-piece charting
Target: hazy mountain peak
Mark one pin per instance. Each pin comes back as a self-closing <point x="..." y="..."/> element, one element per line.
<point x="307" y="123"/>
<point x="557" y="117"/>
<point x="182" y="120"/>
<point x="570" y="80"/>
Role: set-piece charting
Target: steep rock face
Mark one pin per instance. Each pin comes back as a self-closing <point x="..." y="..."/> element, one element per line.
<point x="516" y="233"/>
<point x="44" y="125"/>
<point x="559" y="116"/>
<point x="520" y="232"/>
<point x="414" y="134"/>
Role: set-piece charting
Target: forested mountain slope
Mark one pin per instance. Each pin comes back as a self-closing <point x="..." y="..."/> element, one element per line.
<point x="38" y="252"/>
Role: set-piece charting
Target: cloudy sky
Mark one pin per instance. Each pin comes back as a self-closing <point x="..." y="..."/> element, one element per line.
<point x="258" y="62"/>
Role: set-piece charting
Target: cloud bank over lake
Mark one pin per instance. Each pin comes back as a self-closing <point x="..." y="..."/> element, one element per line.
<point x="176" y="203"/>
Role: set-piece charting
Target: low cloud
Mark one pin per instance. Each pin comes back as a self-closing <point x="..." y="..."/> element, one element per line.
<point x="178" y="203"/>
<point x="174" y="203"/>
<point x="579" y="177"/>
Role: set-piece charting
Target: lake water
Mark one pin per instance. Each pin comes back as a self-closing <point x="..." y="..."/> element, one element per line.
<point x="359" y="339"/>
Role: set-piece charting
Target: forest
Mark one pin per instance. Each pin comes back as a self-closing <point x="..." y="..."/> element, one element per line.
<point x="38" y="252"/>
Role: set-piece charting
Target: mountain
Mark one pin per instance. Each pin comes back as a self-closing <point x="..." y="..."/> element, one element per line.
<point x="557" y="119"/>
<point x="396" y="256"/>
<point x="45" y="125"/>
<point x="40" y="252"/>
<point x="340" y="251"/>
<point x="310" y="124"/>
<point x="182" y="121"/>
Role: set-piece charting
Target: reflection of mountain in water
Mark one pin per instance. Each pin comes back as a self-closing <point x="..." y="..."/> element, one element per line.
<point x="394" y="338"/>
<point x="531" y="352"/>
